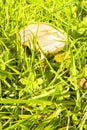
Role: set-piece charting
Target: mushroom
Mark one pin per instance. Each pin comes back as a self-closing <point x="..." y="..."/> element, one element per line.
<point x="50" y="40"/>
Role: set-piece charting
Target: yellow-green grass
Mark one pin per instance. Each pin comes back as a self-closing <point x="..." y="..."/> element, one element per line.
<point x="37" y="95"/>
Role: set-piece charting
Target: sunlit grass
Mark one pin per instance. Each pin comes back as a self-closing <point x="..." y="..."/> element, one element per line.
<point x="43" y="95"/>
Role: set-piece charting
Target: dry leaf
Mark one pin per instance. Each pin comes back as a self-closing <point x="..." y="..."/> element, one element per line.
<point x="59" y="57"/>
<point x="83" y="83"/>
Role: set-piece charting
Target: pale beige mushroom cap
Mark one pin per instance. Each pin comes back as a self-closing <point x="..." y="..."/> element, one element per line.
<point x="50" y="39"/>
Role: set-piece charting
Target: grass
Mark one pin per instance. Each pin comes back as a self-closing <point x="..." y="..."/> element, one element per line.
<point x="34" y="97"/>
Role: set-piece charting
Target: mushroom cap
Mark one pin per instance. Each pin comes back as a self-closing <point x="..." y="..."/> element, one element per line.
<point x="50" y="39"/>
